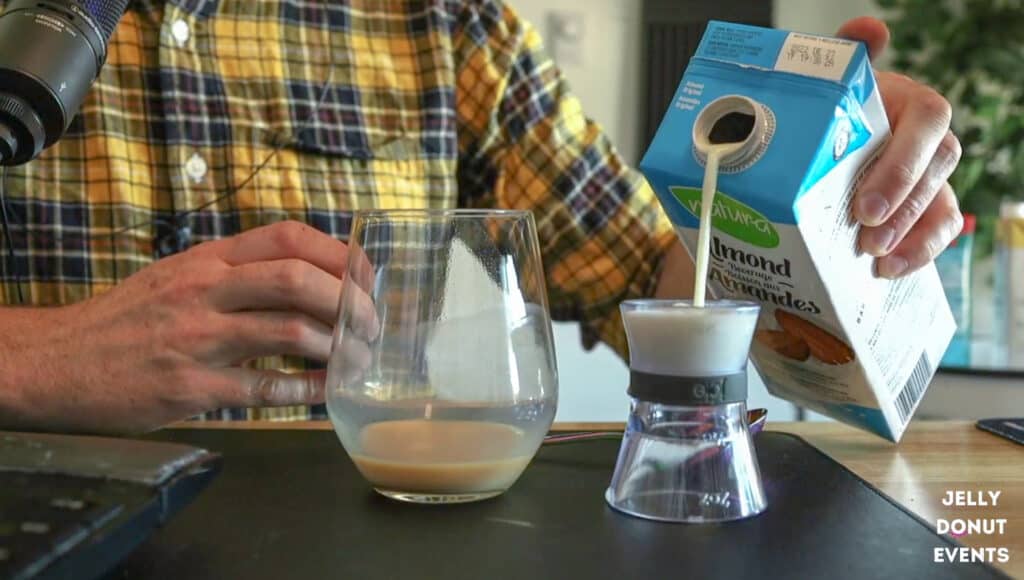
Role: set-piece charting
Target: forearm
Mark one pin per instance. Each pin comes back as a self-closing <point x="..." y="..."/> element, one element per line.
<point x="26" y="363"/>
<point x="677" y="274"/>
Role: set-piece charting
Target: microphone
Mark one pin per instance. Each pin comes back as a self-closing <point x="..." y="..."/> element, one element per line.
<point x="51" y="51"/>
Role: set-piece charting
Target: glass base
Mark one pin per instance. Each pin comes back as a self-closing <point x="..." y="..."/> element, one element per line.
<point x="693" y="508"/>
<point x="687" y="464"/>
<point x="437" y="498"/>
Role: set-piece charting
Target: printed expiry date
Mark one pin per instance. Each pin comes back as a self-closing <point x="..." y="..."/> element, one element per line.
<point x="816" y="55"/>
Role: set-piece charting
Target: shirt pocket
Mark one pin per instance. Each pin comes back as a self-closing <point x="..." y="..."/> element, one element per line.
<point x="385" y="124"/>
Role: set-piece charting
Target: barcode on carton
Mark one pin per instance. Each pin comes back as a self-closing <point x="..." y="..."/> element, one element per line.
<point x="913" y="391"/>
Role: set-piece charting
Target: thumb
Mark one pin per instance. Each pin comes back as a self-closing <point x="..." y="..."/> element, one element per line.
<point x="269" y="388"/>
<point x="871" y="31"/>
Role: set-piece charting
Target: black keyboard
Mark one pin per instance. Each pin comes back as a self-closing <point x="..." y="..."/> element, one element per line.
<point x="73" y="507"/>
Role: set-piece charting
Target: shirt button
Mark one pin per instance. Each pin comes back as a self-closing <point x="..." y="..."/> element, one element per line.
<point x="180" y="31"/>
<point x="196" y="168"/>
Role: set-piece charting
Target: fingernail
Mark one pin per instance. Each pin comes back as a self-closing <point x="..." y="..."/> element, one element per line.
<point x="879" y="241"/>
<point x="892" y="266"/>
<point x="872" y="207"/>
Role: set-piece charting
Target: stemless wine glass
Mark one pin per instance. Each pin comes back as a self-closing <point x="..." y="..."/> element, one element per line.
<point x="442" y="381"/>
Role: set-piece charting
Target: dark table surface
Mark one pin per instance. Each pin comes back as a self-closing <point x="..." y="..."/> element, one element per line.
<point x="290" y="504"/>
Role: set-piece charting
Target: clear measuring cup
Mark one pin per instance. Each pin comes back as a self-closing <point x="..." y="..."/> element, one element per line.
<point x="687" y="454"/>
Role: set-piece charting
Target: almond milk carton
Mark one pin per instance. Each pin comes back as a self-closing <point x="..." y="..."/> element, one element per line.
<point x="832" y="336"/>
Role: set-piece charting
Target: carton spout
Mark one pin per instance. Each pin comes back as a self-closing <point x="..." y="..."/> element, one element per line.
<point x="745" y="124"/>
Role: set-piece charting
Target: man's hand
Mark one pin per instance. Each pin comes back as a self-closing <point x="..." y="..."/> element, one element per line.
<point x="169" y="342"/>
<point x="907" y="208"/>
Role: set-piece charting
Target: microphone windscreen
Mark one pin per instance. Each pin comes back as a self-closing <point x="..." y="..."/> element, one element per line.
<point x="107" y="14"/>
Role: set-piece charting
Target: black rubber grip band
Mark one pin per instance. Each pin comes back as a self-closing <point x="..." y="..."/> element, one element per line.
<point x="688" y="391"/>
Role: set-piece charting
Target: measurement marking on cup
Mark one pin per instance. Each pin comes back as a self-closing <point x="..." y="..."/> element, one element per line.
<point x="719" y="499"/>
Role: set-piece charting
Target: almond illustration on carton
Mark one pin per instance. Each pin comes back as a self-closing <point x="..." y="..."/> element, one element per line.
<point x="823" y="345"/>
<point x="784" y="343"/>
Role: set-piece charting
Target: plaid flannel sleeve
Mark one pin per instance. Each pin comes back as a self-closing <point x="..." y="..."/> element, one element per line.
<point x="526" y="144"/>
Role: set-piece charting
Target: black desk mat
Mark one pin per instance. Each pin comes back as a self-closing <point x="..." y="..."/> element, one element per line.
<point x="290" y="504"/>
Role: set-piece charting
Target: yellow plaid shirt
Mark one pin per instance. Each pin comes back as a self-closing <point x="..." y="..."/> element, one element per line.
<point x="336" y="106"/>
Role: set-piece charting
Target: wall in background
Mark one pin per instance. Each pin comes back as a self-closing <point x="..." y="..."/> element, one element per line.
<point x="818" y="16"/>
<point x="606" y="76"/>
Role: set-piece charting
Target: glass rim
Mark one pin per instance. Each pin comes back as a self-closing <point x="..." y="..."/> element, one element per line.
<point x="433" y="213"/>
<point x="687" y="304"/>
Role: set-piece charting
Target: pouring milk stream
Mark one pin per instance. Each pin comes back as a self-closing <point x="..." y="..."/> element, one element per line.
<point x="707" y="202"/>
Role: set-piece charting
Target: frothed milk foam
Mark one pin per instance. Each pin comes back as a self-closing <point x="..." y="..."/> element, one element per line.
<point x="692" y="342"/>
